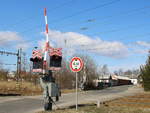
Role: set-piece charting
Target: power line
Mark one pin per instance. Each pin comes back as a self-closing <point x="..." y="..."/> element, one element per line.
<point x="134" y="36"/>
<point x="121" y="29"/>
<point x="104" y="22"/>
<point x="61" y="5"/>
<point x="111" y="16"/>
<point x="8" y="53"/>
<point x="101" y="23"/>
<point x="87" y="10"/>
<point x="113" y="30"/>
<point x="94" y="9"/>
<point x="31" y="17"/>
<point x="6" y="64"/>
<point x="80" y="12"/>
<point x="127" y="12"/>
<point x="109" y="31"/>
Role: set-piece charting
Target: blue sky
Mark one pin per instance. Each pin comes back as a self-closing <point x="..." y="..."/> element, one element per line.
<point x="119" y="30"/>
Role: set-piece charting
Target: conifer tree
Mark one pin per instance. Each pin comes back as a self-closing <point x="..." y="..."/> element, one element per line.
<point x="145" y="74"/>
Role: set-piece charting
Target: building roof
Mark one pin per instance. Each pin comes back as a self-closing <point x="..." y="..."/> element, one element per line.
<point x="115" y="77"/>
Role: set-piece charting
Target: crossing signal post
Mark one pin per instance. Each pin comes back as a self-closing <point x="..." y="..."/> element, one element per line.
<point x="44" y="62"/>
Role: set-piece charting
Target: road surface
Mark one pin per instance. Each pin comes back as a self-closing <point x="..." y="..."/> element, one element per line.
<point x="32" y="104"/>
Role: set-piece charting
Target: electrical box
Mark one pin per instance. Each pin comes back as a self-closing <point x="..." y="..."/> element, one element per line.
<point x="53" y="89"/>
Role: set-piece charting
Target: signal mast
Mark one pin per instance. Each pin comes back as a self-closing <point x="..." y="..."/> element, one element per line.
<point x="44" y="62"/>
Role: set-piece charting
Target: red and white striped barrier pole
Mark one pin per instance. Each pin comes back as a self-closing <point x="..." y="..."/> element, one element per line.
<point x="46" y="45"/>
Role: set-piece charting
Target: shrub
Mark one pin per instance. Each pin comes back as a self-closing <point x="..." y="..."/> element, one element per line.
<point x="145" y="75"/>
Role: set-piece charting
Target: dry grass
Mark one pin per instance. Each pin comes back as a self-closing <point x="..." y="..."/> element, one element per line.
<point x="5" y="85"/>
<point x="67" y="90"/>
<point x="102" y="109"/>
<point x="24" y="88"/>
<point x="137" y="101"/>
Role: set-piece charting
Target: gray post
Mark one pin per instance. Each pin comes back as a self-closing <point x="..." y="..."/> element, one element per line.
<point x="98" y="103"/>
<point x="76" y="91"/>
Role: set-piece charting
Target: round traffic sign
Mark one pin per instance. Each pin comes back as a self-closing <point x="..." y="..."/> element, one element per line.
<point x="76" y="64"/>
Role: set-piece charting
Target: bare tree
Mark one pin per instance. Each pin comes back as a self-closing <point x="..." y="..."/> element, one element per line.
<point x="104" y="70"/>
<point x="89" y="71"/>
<point x="66" y="78"/>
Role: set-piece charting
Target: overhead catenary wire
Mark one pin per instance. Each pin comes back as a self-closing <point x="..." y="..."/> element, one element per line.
<point x="121" y="29"/>
<point x="85" y="11"/>
<point x="109" y="31"/>
<point x="134" y="36"/>
<point x="31" y="17"/>
<point x="94" y="9"/>
<point x="6" y="64"/>
<point x="80" y="12"/>
<point x="113" y="30"/>
<point x="110" y="16"/>
<point x="103" y="22"/>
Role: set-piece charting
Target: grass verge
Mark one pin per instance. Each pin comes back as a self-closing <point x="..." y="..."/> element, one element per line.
<point x="139" y="103"/>
<point x="102" y="109"/>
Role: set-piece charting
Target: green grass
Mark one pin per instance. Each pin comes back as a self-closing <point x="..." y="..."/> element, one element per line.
<point x="102" y="109"/>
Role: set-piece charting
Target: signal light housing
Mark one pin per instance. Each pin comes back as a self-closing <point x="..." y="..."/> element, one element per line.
<point x="37" y="61"/>
<point x="55" y="58"/>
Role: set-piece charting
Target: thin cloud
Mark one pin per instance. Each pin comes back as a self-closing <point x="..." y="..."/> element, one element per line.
<point x="124" y="67"/>
<point x="12" y="39"/>
<point x="74" y="41"/>
<point x="23" y="45"/>
<point x="143" y="43"/>
<point x="139" y="47"/>
<point x="8" y="36"/>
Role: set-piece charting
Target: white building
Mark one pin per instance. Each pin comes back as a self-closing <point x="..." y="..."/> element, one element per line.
<point x="134" y="81"/>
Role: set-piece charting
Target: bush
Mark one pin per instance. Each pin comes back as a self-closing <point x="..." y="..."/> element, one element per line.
<point x="3" y="74"/>
<point x="145" y="75"/>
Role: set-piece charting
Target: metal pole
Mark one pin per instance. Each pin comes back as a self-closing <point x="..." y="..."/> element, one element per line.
<point x="76" y="91"/>
<point x="17" y="65"/>
<point x="20" y="62"/>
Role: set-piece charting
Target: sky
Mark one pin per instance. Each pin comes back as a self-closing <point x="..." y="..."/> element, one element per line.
<point x="112" y="32"/>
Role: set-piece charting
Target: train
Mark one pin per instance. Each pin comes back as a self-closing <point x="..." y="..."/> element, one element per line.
<point x="107" y="81"/>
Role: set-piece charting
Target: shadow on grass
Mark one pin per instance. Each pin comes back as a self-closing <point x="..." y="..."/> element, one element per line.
<point x="2" y="95"/>
<point x="81" y="105"/>
<point x="74" y="106"/>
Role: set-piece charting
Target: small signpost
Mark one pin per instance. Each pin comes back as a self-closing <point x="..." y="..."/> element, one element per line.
<point x="76" y="65"/>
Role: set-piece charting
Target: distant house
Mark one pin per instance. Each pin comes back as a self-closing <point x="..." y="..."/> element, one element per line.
<point x="11" y="74"/>
<point x="134" y="78"/>
<point x="104" y="78"/>
<point x="121" y="80"/>
<point x="134" y="81"/>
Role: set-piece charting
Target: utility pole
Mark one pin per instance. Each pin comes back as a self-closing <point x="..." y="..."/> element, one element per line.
<point x="11" y="53"/>
<point x="24" y="62"/>
<point x="18" y="54"/>
<point x="19" y="63"/>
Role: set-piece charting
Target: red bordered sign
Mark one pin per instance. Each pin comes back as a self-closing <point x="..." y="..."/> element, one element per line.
<point x="76" y="64"/>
